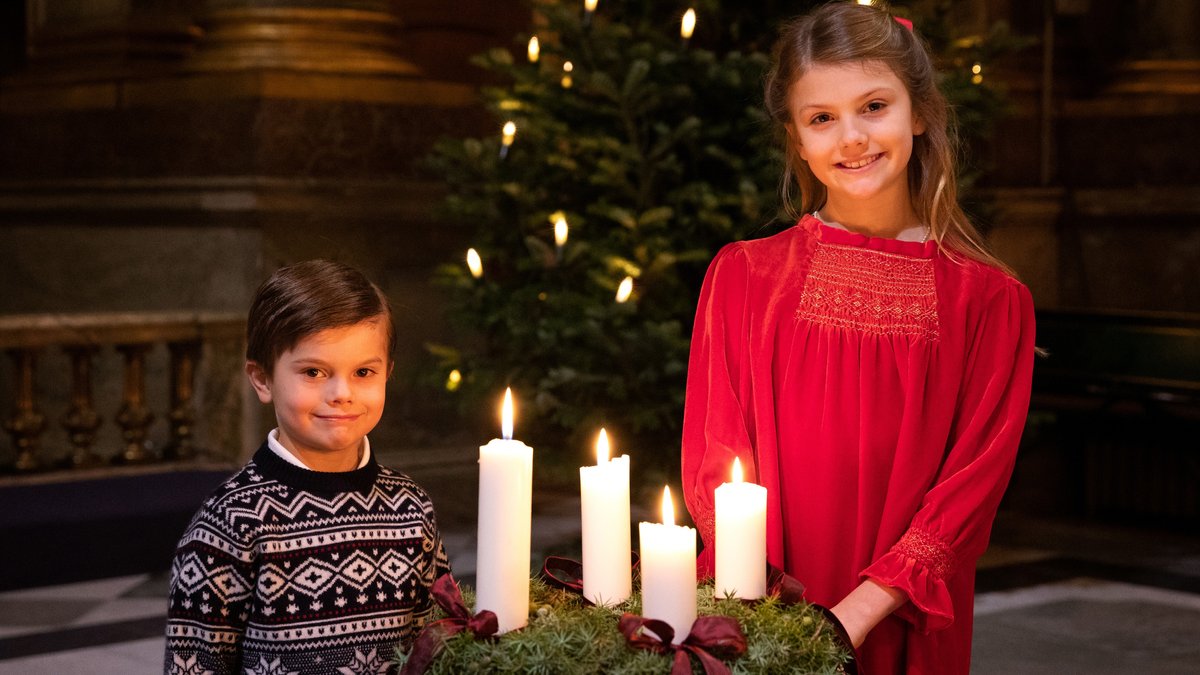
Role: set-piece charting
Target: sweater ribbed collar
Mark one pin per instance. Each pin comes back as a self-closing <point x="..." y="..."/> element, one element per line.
<point x="324" y="483"/>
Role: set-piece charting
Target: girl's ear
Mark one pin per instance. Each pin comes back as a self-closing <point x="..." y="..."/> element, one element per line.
<point x="918" y="126"/>
<point x="260" y="379"/>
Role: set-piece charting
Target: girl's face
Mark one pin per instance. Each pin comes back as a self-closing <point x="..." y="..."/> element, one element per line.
<point x="328" y="392"/>
<point x="853" y="124"/>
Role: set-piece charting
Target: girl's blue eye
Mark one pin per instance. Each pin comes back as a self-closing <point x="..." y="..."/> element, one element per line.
<point x="876" y="106"/>
<point x="820" y="119"/>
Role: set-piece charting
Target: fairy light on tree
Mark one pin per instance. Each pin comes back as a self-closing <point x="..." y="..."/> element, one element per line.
<point x="625" y="289"/>
<point x="474" y="263"/>
<point x="508" y="135"/>
<point x="688" y="25"/>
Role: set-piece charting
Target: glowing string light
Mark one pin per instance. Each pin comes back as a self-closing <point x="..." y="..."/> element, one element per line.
<point x="625" y="289"/>
<point x="688" y="25"/>
<point x="474" y="263"/>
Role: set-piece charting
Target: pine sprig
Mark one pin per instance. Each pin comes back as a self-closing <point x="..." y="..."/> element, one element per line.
<point x="566" y="636"/>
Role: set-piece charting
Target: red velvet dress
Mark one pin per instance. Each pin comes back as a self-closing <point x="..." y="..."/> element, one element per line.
<point x="878" y="388"/>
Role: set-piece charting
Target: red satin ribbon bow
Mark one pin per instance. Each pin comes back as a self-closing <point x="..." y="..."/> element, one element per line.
<point x="709" y="634"/>
<point x="432" y="638"/>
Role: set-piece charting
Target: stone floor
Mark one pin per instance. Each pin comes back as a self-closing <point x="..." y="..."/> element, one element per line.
<point x="1052" y="597"/>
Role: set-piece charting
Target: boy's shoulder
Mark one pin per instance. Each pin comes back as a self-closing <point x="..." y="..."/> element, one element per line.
<point x="394" y="481"/>
<point x="248" y="478"/>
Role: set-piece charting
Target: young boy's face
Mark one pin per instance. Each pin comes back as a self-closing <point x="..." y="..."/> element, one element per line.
<point x="328" y="392"/>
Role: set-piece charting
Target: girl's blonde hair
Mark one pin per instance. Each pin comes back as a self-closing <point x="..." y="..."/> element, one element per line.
<point x="842" y="32"/>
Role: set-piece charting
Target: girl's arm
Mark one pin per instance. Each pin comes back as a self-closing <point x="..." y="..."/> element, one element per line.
<point x="951" y="528"/>
<point x="716" y="415"/>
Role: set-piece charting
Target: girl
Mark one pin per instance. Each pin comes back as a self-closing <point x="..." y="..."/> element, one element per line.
<point x="872" y="363"/>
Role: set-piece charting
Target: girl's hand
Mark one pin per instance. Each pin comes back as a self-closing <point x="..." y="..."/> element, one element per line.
<point x="865" y="607"/>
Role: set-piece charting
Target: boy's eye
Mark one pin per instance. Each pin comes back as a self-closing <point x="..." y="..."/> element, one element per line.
<point x="364" y="372"/>
<point x="312" y="372"/>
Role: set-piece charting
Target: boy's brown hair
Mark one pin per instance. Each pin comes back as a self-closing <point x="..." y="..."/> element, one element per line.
<point x="306" y="298"/>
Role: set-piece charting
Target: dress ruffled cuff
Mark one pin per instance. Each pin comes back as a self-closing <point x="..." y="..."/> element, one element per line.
<point x="918" y="566"/>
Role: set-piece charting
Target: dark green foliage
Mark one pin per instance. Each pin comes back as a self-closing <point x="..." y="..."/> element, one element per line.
<point x="566" y="636"/>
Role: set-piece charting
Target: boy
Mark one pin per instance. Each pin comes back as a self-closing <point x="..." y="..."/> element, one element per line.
<point x="312" y="558"/>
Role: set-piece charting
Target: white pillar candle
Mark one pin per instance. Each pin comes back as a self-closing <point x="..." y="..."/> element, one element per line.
<point x="669" y="571"/>
<point x="604" y="502"/>
<point x="505" y="506"/>
<point x="741" y="538"/>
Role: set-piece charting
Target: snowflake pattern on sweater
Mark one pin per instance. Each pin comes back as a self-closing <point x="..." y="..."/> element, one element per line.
<point x="285" y="570"/>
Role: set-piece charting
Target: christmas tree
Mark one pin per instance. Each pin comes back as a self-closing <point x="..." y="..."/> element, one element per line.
<point x="631" y="144"/>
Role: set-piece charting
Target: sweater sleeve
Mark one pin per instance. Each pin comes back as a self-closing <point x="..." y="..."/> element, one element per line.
<point x="435" y="565"/>
<point x="716" y="418"/>
<point x="952" y="526"/>
<point x="212" y="583"/>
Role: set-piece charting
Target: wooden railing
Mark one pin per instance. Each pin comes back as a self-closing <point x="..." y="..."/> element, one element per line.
<point x="82" y="339"/>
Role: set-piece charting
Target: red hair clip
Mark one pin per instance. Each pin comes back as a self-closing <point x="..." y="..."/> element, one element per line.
<point x="904" y="22"/>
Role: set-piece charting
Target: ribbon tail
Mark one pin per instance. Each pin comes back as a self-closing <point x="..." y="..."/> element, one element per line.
<point x="681" y="664"/>
<point x="711" y="664"/>
<point x="424" y="650"/>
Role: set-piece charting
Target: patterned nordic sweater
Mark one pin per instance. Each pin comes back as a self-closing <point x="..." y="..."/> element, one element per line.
<point x="285" y="570"/>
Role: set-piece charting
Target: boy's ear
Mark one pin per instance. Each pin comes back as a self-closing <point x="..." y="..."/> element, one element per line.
<point x="260" y="379"/>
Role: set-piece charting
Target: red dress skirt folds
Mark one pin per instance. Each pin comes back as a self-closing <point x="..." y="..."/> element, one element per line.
<point x="878" y="389"/>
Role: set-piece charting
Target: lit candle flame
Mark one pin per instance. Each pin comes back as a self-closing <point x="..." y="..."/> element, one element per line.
<point x="560" y="231"/>
<point x="688" y="26"/>
<point x="602" y="450"/>
<point x="668" y="507"/>
<point x="453" y="380"/>
<point x="474" y="263"/>
<point x="510" y="132"/>
<point x="625" y="289"/>
<point x="535" y="49"/>
<point x="506" y="415"/>
<point x="737" y="470"/>
<point x="590" y="5"/>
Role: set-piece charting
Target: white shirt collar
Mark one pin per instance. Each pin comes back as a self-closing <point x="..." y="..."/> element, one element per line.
<point x="287" y="456"/>
<point x="917" y="233"/>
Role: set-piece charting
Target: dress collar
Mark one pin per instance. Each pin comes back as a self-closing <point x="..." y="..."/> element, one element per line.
<point x="832" y="234"/>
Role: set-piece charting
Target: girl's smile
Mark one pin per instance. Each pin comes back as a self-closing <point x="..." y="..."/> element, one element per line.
<point x="860" y="163"/>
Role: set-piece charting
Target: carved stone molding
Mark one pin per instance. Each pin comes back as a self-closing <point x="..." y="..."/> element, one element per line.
<point x="308" y="39"/>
